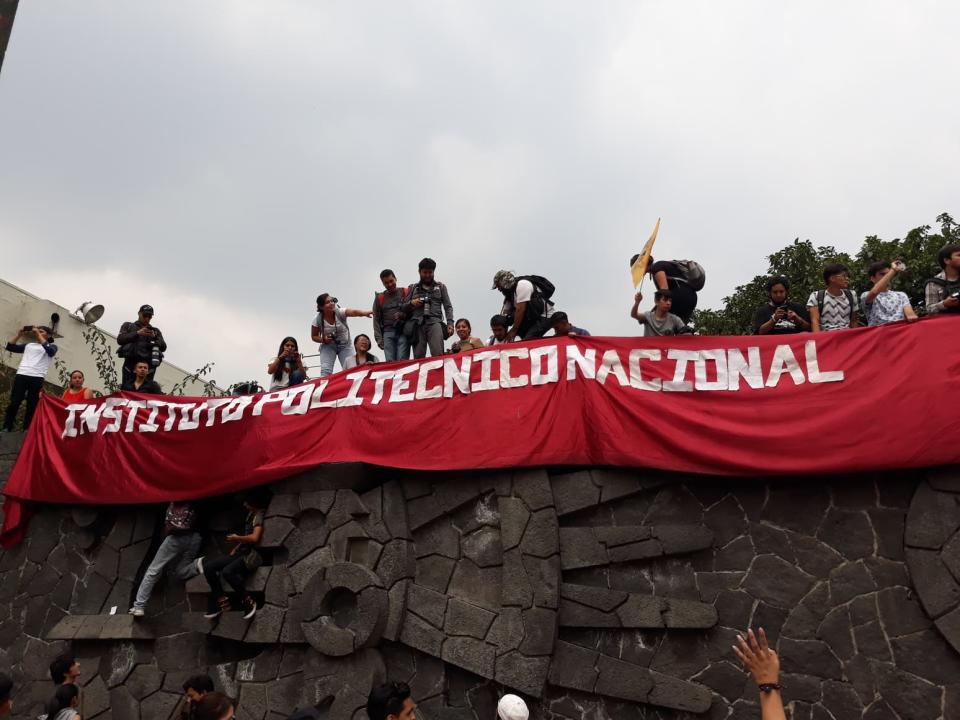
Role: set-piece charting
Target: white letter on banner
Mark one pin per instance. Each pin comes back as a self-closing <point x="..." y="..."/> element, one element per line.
<point x="70" y="426"/>
<point x="536" y="363"/>
<point x="813" y="366"/>
<point x="700" y="370"/>
<point x="353" y="397"/>
<point x="213" y="404"/>
<point x="379" y="377"/>
<point x="270" y="397"/>
<point x="423" y="392"/>
<point x="300" y="394"/>
<point x="506" y="380"/>
<point x="678" y="384"/>
<point x="133" y="407"/>
<point x="459" y="376"/>
<point x="738" y="367"/>
<point x="636" y="375"/>
<point x="110" y="411"/>
<point x="190" y="416"/>
<point x="174" y="409"/>
<point x="586" y="362"/>
<point x="400" y="384"/>
<point x="149" y="425"/>
<point x="784" y="361"/>
<point x="486" y="382"/>
<point x="234" y="409"/>
<point x="90" y="417"/>
<point x="316" y="402"/>
<point x="611" y="365"/>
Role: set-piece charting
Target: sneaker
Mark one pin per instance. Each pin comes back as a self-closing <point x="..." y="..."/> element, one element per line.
<point x="136" y="611"/>
<point x="213" y="614"/>
<point x="224" y="606"/>
<point x="200" y="565"/>
<point x="250" y="606"/>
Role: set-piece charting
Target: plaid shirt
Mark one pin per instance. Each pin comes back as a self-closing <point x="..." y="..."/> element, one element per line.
<point x="935" y="294"/>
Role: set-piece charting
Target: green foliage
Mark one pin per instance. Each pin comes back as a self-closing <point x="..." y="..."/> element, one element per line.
<point x="102" y="351"/>
<point x="802" y="263"/>
<point x="210" y="388"/>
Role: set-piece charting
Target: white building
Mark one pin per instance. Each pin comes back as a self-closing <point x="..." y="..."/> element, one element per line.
<point x="18" y="308"/>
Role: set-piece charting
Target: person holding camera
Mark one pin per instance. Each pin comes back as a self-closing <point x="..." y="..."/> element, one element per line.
<point x="882" y="305"/>
<point x="780" y="316"/>
<point x="286" y="368"/>
<point x="330" y="329"/>
<point x="37" y="357"/>
<point x="139" y="340"/>
<point x="389" y="318"/>
<point x="428" y="302"/>
<point x="942" y="292"/>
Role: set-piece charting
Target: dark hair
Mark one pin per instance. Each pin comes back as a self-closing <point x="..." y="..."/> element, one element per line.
<point x="834" y="269"/>
<point x="212" y="706"/>
<point x="464" y="320"/>
<point x="6" y="687"/>
<point x="46" y="329"/>
<point x="945" y="252"/>
<point x="499" y="321"/>
<point x="875" y="267"/>
<point x="61" y="699"/>
<point x="61" y="666"/>
<point x="322" y="299"/>
<point x="258" y="498"/>
<point x="141" y="362"/>
<point x="776" y="280"/>
<point x="278" y="375"/>
<point x="560" y="316"/>
<point x="78" y="371"/>
<point x="362" y="335"/>
<point x="200" y="683"/>
<point x="663" y="295"/>
<point x="387" y="699"/>
<point x="428" y="264"/>
<point x="649" y="261"/>
<point x="384" y="274"/>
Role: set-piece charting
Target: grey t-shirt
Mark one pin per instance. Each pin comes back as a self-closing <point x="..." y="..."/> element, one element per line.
<point x="652" y="325"/>
<point x="339" y="327"/>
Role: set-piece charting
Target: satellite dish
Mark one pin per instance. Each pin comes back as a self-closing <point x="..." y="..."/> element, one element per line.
<point x="89" y="312"/>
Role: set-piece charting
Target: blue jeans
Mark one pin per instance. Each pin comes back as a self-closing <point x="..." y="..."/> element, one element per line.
<point x="186" y="547"/>
<point x="329" y="354"/>
<point x="396" y="345"/>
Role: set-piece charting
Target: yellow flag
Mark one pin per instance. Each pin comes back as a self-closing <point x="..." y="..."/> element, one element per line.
<point x="639" y="268"/>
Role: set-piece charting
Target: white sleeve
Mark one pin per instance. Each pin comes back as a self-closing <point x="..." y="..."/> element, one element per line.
<point x="524" y="291"/>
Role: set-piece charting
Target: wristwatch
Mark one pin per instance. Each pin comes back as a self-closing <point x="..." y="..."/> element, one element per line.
<point x="769" y="687"/>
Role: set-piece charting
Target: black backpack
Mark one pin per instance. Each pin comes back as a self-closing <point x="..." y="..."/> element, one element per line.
<point x="949" y="288"/>
<point x="543" y="290"/>
<point x="851" y="298"/>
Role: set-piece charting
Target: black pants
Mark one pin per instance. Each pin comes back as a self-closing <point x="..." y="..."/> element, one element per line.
<point x="23" y="387"/>
<point x="684" y="302"/>
<point x="534" y="328"/>
<point x="231" y="568"/>
<point x="129" y="365"/>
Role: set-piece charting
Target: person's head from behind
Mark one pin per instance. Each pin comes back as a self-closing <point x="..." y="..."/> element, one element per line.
<point x="877" y="270"/>
<point x="836" y="275"/>
<point x="663" y="300"/>
<point x="361" y="343"/>
<point x="197" y="686"/>
<point x="777" y="289"/>
<point x="76" y="380"/>
<point x="561" y="323"/>
<point x="64" y="669"/>
<point x="463" y="329"/>
<point x="512" y="707"/>
<point x="636" y="257"/>
<point x="6" y="694"/>
<point x="66" y="696"/>
<point x="427" y="266"/>
<point x="498" y="326"/>
<point x="141" y="369"/>
<point x="389" y="280"/>
<point x="949" y="256"/>
<point x="257" y="499"/>
<point x="214" y="706"/>
<point x="391" y="701"/>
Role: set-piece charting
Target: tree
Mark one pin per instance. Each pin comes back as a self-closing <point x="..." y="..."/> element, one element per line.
<point x="802" y="264"/>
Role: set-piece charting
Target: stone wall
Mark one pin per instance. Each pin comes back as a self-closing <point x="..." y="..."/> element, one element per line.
<point x="600" y="593"/>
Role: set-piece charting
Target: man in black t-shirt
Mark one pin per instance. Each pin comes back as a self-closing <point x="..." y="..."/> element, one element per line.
<point x="780" y="316"/>
<point x="669" y="275"/>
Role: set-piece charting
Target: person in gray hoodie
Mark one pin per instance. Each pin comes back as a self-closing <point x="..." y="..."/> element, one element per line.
<point x="427" y="303"/>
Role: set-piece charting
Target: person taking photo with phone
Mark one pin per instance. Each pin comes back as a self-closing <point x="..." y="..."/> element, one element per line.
<point x="38" y="354"/>
<point x="780" y="316"/>
<point x="286" y="368"/>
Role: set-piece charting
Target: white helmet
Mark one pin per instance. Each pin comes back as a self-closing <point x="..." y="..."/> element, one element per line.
<point x="512" y="707"/>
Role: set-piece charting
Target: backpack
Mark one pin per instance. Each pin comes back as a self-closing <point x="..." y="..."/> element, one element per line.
<point x="949" y="288"/>
<point x="854" y="305"/>
<point x="181" y="517"/>
<point x="692" y="273"/>
<point x="540" y="285"/>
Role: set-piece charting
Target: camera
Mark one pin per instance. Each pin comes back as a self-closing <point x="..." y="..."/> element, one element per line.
<point x="330" y="337"/>
<point x="156" y="357"/>
<point x="955" y="296"/>
<point x="27" y="328"/>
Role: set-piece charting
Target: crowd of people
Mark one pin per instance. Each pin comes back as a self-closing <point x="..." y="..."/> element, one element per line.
<point x="418" y="319"/>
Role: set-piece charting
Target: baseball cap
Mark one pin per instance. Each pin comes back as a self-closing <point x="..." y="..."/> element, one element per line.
<point x="146" y="309"/>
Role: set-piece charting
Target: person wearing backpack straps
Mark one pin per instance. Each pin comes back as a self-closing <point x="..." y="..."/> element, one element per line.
<point x="428" y="303"/>
<point x="181" y="543"/>
<point x="389" y="318"/>
<point x="942" y="292"/>
<point x="683" y="278"/>
<point x="527" y="303"/>
<point x="835" y="307"/>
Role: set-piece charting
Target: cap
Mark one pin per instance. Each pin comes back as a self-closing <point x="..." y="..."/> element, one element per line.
<point x="512" y="707"/>
<point x="146" y="309"/>
<point x="503" y="276"/>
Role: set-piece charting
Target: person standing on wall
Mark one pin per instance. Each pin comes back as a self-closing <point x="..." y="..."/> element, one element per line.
<point x="37" y="356"/>
<point x="427" y="303"/>
<point x="139" y="340"/>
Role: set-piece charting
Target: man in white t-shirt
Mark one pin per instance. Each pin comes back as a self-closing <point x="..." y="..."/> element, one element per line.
<point x="28" y="382"/>
<point x="882" y="305"/>
<point x="526" y="304"/>
<point x="835" y="307"/>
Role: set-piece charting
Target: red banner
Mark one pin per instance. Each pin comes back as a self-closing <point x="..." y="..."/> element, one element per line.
<point x="850" y="401"/>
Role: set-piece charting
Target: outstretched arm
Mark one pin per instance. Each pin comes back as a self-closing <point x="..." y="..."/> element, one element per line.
<point x="764" y="665"/>
<point x="353" y="312"/>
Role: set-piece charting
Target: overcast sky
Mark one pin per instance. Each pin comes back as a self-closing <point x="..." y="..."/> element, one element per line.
<point x="228" y="161"/>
